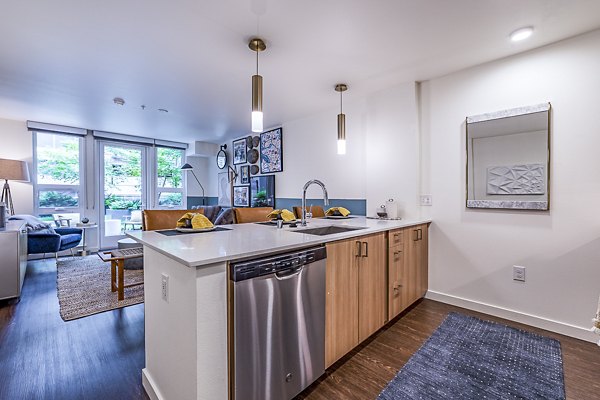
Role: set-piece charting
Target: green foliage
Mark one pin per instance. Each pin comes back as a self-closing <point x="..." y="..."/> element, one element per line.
<point x="114" y="202"/>
<point x="170" y="199"/>
<point x="168" y="167"/>
<point x="260" y="200"/>
<point x="57" y="199"/>
<point x="61" y="164"/>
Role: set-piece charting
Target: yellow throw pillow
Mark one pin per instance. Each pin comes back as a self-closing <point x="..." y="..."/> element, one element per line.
<point x="286" y="215"/>
<point x="332" y="211"/>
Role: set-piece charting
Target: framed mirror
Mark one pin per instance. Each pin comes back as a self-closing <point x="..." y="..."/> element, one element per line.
<point x="222" y="157"/>
<point x="508" y="159"/>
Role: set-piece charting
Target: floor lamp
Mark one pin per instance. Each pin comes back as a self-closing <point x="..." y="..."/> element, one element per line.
<point x="14" y="170"/>
<point x="188" y="167"/>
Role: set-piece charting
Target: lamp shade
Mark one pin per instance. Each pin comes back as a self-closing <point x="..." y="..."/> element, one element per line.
<point x="14" y="170"/>
<point x="186" y="167"/>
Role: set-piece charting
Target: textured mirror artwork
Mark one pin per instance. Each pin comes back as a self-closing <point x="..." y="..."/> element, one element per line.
<point x="516" y="179"/>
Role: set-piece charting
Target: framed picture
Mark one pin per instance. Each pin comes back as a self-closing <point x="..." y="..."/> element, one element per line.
<point x="241" y="196"/>
<point x="224" y="189"/>
<point x="239" y="151"/>
<point x="262" y="191"/>
<point x="271" y="151"/>
<point x="245" y="175"/>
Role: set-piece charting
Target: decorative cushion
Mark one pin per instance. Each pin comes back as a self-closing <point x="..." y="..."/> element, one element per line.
<point x="69" y="239"/>
<point x="33" y="224"/>
<point x="225" y="217"/>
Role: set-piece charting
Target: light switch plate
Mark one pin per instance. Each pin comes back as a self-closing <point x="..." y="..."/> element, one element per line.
<point x="426" y="200"/>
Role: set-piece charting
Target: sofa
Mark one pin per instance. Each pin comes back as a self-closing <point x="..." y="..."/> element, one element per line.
<point x="153" y="220"/>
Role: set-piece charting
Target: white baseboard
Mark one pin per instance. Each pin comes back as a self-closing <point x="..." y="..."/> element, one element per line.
<point x="517" y="316"/>
<point x="150" y="386"/>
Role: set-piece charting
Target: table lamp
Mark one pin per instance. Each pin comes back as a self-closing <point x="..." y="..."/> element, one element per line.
<point x="14" y="170"/>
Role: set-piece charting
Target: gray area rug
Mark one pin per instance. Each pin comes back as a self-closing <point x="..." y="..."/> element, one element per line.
<point x="468" y="358"/>
<point x="83" y="285"/>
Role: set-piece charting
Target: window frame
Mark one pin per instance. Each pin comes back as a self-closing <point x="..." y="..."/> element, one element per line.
<point x="39" y="187"/>
<point x="158" y="190"/>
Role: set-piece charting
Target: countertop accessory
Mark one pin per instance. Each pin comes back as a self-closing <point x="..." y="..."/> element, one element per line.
<point x="15" y="170"/>
<point x="188" y="167"/>
<point x="381" y="212"/>
<point x="222" y="157"/>
<point x="391" y="207"/>
<point x="257" y="45"/>
<point x="341" y="121"/>
<point x="192" y="230"/>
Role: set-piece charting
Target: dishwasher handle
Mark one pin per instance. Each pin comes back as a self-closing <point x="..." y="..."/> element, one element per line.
<point x="288" y="273"/>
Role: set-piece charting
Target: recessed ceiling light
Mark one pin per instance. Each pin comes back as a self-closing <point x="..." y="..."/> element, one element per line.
<point x="521" y="34"/>
<point x="118" y="101"/>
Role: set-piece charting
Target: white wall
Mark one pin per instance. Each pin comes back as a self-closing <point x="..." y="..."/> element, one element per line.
<point x="472" y="251"/>
<point x="16" y="144"/>
<point x="392" y="149"/>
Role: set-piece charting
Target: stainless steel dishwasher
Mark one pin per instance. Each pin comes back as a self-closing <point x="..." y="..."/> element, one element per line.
<point x="279" y="324"/>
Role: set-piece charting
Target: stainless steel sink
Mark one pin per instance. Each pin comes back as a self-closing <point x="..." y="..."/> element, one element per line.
<point x="328" y="230"/>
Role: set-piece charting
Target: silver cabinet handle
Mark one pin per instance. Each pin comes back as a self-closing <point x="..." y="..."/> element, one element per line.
<point x="358" y="249"/>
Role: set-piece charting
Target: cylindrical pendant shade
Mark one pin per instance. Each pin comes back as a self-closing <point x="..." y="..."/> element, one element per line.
<point x="14" y="170"/>
<point x="341" y="125"/>
<point x="257" y="115"/>
<point x="257" y="121"/>
<point x="257" y="92"/>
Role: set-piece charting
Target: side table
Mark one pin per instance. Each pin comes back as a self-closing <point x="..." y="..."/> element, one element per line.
<point x="85" y="227"/>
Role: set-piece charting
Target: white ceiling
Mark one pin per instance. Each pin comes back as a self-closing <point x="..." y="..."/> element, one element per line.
<point x="63" y="61"/>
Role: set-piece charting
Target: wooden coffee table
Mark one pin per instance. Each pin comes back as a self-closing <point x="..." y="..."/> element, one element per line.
<point x="117" y="265"/>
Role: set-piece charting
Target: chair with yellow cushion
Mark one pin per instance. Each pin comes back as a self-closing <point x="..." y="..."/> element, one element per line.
<point x="317" y="211"/>
<point x="254" y="214"/>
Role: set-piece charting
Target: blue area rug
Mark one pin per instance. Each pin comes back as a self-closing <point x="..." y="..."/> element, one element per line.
<point x="468" y="358"/>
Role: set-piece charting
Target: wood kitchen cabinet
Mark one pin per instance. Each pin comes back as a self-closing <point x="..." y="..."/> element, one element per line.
<point x="356" y="293"/>
<point x="408" y="266"/>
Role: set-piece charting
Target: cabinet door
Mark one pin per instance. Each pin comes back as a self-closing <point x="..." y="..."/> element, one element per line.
<point x="395" y="277"/>
<point x="341" y="304"/>
<point x="415" y="266"/>
<point x="372" y="285"/>
<point x="423" y="265"/>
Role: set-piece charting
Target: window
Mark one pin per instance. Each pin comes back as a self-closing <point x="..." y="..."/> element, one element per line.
<point x="58" y="171"/>
<point x="169" y="178"/>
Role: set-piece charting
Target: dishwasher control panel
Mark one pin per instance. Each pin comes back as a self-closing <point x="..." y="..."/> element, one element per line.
<point x="282" y="262"/>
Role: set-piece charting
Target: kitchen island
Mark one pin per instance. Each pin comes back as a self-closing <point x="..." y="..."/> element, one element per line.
<point x="187" y="296"/>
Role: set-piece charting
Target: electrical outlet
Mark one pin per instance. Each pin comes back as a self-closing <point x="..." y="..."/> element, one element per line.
<point x="518" y="273"/>
<point x="165" y="287"/>
<point x="426" y="200"/>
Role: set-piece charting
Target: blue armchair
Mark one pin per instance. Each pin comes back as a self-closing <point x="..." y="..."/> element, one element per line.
<point x="63" y="239"/>
<point x="42" y="238"/>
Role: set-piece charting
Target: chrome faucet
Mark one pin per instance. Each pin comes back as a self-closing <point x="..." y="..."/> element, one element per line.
<point x="325" y="197"/>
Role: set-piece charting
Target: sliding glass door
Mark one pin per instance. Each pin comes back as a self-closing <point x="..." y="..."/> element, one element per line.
<point x="123" y="190"/>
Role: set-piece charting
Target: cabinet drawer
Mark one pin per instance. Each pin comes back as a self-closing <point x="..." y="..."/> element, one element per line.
<point x="396" y="237"/>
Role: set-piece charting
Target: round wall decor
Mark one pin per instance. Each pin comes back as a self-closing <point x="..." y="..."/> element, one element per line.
<point x="254" y="169"/>
<point x="252" y="156"/>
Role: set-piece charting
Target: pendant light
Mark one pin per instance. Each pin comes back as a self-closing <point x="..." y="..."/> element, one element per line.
<point x="257" y="45"/>
<point x="341" y="121"/>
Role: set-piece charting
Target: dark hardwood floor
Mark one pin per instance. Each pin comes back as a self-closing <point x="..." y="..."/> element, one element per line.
<point x="101" y="356"/>
<point x="43" y="357"/>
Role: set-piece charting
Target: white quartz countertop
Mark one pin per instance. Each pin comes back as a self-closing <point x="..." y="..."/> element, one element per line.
<point x="244" y="241"/>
